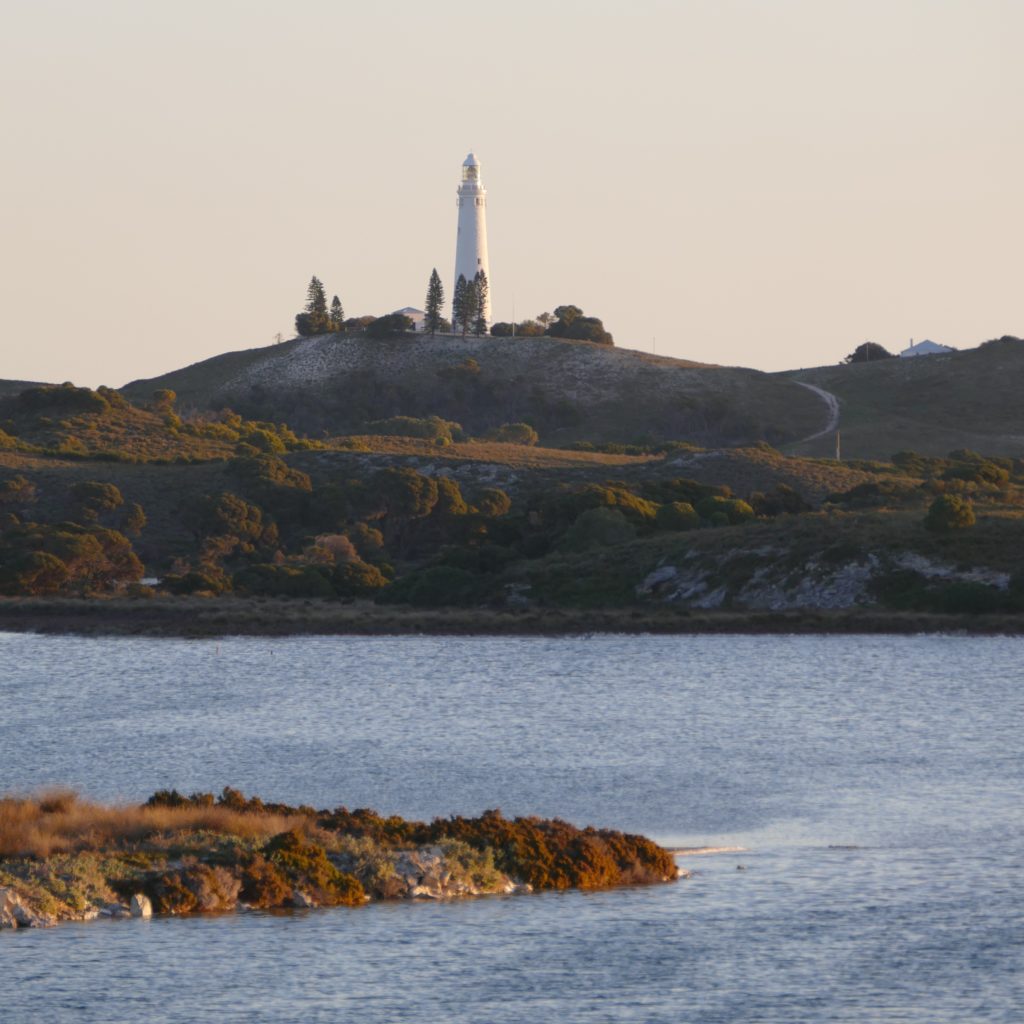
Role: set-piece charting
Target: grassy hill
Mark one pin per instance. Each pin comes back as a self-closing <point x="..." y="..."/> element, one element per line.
<point x="930" y="404"/>
<point x="8" y="388"/>
<point x="568" y="391"/>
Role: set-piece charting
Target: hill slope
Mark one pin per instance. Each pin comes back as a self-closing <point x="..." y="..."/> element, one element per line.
<point x="567" y="390"/>
<point x="931" y="404"/>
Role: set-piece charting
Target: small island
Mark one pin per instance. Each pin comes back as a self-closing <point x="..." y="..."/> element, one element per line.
<point x="66" y="859"/>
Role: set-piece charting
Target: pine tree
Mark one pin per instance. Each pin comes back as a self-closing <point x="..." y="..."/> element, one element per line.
<point x="337" y="315"/>
<point x="314" y="319"/>
<point x="316" y="300"/>
<point x="470" y="306"/>
<point x="434" y="304"/>
<point x="480" y="291"/>
<point x="459" y="303"/>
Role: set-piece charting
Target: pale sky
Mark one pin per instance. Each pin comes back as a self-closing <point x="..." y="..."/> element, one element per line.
<point x="752" y="182"/>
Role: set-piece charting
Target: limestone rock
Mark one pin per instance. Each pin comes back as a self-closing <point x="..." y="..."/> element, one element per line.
<point x="15" y="913"/>
<point x="115" y="910"/>
<point x="303" y="901"/>
<point x="140" y="906"/>
<point x="657" y="582"/>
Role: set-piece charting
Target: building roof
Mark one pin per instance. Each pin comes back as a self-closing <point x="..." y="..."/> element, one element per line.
<point x="925" y="348"/>
<point x="471" y="161"/>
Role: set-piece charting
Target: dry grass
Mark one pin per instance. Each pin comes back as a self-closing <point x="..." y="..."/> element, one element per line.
<point x="59" y="822"/>
<point x="517" y="456"/>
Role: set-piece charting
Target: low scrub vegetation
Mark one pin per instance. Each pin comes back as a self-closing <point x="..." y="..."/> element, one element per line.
<point x="413" y="513"/>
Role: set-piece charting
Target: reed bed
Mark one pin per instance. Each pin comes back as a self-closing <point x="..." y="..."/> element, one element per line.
<point x="59" y="821"/>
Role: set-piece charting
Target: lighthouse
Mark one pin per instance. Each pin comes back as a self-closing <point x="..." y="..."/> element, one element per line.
<point x="471" y="241"/>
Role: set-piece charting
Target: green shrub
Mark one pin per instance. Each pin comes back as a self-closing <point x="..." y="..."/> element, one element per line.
<point x="900" y="588"/>
<point x="677" y="515"/>
<point x="196" y="582"/>
<point x="62" y="400"/>
<point x="915" y="464"/>
<point x="682" y="489"/>
<point x="982" y="472"/>
<point x="264" y="884"/>
<point x="564" y="507"/>
<point x="31" y="573"/>
<point x="734" y="510"/>
<point x="493" y="503"/>
<point x="434" y="587"/>
<point x="264" y="441"/>
<point x="94" y="498"/>
<point x="305" y="864"/>
<point x="514" y="433"/>
<point x="430" y="428"/>
<point x="283" y="581"/>
<point x="557" y="855"/>
<point x="966" y="597"/>
<point x="784" y="500"/>
<point x="876" y="493"/>
<point x="357" y="579"/>
<point x="17" y="492"/>
<point x="404" y="493"/>
<point x="195" y="888"/>
<point x="949" y="512"/>
<point x="390" y="325"/>
<point x="599" y="527"/>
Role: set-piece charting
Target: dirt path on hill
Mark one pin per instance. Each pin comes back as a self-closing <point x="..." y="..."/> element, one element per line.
<point x="833" y="411"/>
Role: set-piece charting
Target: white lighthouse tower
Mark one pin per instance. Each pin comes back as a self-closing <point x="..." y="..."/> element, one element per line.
<point x="471" y="243"/>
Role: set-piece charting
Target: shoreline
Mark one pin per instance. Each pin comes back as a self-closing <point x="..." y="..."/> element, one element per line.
<point x="192" y="617"/>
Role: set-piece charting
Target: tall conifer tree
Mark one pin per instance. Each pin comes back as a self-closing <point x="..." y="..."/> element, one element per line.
<point x="480" y="294"/>
<point x="459" y="303"/>
<point x="316" y="299"/>
<point x="434" y="304"/>
<point x="337" y="315"/>
<point x="470" y="306"/>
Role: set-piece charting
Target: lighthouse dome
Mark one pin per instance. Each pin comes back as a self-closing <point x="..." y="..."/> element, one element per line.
<point x="471" y="169"/>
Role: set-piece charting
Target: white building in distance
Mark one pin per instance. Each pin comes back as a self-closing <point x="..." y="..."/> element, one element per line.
<point x="471" y="241"/>
<point x="924" y="348"/>
<point x="415" y="315"/>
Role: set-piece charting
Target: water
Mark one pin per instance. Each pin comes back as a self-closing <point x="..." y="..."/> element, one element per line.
<point x="874" y="781"/>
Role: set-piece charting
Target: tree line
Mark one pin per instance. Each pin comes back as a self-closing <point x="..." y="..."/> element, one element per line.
<point x="469" y="316"/>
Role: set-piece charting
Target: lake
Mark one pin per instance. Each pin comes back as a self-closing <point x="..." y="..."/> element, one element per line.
<point x="874" y="782"/>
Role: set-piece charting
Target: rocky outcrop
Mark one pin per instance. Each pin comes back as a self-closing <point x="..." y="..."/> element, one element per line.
<point x="761" y="579"/>
<point x="427" y="873"/>
<point x="16" y="913"/>
<point x="448" y="870"/>
<point x="141" y="906"/>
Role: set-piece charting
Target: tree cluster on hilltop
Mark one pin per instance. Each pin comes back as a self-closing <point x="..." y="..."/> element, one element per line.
<point x="567" y="322"/>
<point x="869" y="352"/>
<point x="316" y="317"/>
<point x="469" y="305"/>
